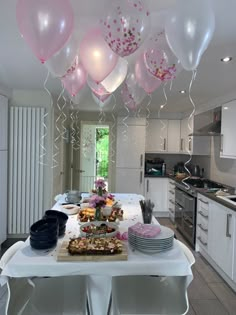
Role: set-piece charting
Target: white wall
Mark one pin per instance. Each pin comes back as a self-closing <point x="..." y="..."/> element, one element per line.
<point x="218" y="169"/>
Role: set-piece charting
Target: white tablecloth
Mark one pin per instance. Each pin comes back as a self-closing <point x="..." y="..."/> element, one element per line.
<point x="28" y="262"/>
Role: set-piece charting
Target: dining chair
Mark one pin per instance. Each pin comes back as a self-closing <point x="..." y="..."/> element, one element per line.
<point x="19" y="289"/>
<point x="66" y="295"/>
<point x="151" y="294"/>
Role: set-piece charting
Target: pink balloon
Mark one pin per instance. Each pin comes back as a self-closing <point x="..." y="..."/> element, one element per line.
<point x="74" y="80"/>
<point x="101" y="98"/>
<point x="125" y="26"/>
<point x="101" y="101"/>
<point x="147" y="81"/>
<point x="98" y="59"/>
<point x="45" y="25"/>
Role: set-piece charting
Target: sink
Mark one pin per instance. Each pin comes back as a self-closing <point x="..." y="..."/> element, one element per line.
<point x="231" y="199"/>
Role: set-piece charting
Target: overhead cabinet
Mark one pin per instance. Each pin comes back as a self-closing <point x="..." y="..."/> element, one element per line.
<point x="228" y="131"/>
<point x="172" y="136"/>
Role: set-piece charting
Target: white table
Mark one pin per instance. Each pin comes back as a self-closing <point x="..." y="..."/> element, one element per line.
<point x="30" y="263"/>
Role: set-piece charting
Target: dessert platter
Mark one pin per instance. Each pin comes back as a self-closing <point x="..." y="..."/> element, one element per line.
<point x="88" y="214"/>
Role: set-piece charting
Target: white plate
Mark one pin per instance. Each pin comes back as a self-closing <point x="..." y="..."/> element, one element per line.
<point x="164" y="234"/>
<point x="150" y="247"/>
<point x="72" y="210"/>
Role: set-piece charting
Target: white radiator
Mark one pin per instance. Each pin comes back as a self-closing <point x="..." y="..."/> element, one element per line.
<point x="25" y="191"/>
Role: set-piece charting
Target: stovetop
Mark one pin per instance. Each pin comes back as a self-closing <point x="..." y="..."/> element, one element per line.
<point x="203" y="183"/>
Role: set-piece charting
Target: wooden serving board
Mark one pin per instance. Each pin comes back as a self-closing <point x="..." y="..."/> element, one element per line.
<point x="64" y="255"/>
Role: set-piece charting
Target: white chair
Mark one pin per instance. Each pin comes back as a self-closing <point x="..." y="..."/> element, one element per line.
<point x="58" y="296"/>
<point x="151" y="294"/>
<point x="19" y="289"/>
<point x="44" y="296"/>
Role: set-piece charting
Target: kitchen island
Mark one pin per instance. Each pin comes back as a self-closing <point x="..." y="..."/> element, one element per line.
<point x="34" y="263"/>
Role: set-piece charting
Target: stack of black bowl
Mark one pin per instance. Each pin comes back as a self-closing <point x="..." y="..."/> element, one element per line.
<point x="60" y="216"/>
<point x="44" y="233"/>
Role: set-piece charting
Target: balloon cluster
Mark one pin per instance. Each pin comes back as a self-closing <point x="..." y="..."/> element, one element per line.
<point x="98" y="60"/>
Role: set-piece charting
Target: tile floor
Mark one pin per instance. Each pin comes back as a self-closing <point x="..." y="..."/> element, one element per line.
<point x="208" y="293"/>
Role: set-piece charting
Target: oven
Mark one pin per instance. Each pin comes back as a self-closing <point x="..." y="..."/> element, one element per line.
<point x="185" y="214"/>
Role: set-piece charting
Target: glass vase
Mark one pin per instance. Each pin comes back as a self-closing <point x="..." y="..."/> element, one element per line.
<point x="98" y="214"/>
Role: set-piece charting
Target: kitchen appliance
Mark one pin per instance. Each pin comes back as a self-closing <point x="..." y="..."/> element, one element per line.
<point x="154" y="167"/>
<point x="186" y="204"/>
<point x="230" y="198"/>
<point x="207" y="123"/>
<point x="196" y="171"/>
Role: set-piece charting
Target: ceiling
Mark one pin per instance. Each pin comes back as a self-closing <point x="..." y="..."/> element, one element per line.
<point x="19" y="68"/>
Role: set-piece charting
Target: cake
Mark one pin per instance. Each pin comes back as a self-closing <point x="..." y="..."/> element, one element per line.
<point x="95" y="246"/>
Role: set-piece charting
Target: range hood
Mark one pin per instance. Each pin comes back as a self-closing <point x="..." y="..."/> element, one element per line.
<point x="207" y="123"/>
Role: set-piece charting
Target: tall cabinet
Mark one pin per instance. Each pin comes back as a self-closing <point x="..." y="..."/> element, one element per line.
<point x="130" y="150"/>
<point x="3" y="166"/>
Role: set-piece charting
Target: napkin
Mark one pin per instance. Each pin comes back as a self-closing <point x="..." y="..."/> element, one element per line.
<point x="144" y="230"/>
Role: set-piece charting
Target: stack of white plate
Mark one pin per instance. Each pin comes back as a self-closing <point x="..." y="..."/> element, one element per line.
<point x="163" y="241"/>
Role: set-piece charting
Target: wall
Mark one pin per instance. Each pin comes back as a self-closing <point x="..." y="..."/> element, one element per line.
<point x="218" y="169"/>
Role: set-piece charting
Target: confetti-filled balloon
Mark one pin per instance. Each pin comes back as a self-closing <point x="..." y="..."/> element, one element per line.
<point x="125" y="26"/>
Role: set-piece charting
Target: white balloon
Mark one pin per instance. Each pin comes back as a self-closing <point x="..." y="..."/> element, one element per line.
<point x="189" y="30"/>
<point x="116" y="77"/>
<point x="99" y="102"/>
<point x="63" y="60"/>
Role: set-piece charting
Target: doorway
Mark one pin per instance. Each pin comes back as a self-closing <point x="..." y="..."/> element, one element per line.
<point x="94" y="155"/>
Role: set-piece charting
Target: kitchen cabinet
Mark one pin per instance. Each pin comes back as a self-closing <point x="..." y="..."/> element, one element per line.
<point x="228" y="130"/>
<point x="156" y="189"/>
<point x="173" y="136"/>
<point x="202" y="222"/>
<point x="221" y="237"/>
<point x="130" y="150"/>
<point x="171" y="199"/>
<point x="195" y="145"/>
<point x="156" y="135"/>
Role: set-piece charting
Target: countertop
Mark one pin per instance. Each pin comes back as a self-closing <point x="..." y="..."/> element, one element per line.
<point x="210" y="195"/>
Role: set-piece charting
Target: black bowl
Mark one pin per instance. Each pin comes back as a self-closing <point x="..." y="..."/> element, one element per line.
<point x="45" y="227"/>
<point x="45" y="237"/>
<point x="62" y="230"/>
<point x="43" y="244"/>
<point x="61" y="216"/>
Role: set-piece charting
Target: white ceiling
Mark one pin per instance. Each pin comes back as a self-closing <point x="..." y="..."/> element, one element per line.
<point x="19" y="68"/>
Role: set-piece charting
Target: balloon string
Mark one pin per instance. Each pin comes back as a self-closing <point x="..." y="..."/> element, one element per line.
<point x="45" y="128"/>
<point x="112" y="133"/>
<point x="64" y="118"/>
<point x="171" y="84"/>
<point x="77" y="129"/>
<point x="163" y="145"/>
<point x="124" y="132"/>
<point x="72" y="125"/>
<point x="58" y="132"/>
<point x="194" y="73"/>
<point x="148" y="112"/>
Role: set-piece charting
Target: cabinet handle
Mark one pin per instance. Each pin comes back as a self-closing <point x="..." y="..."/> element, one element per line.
<point x="164" y="144"/>
<point x="141" y="177"/>
<point x="202" y="228"/>
<point x="147" y="185"/>
<point x="141" y="160"/>
<point x="172" y="184"/>
<point x="206" y="202"/>
<point x="171" y="210"/>
<point x="190" y="144"/>
<point x="229" y="216"/>
<point x="203" y="215"/>
<point x="201" y="241"/>
<point x="221" y="143"/>
<point x="171" y="192"/>
<point x="171" y="201"/>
